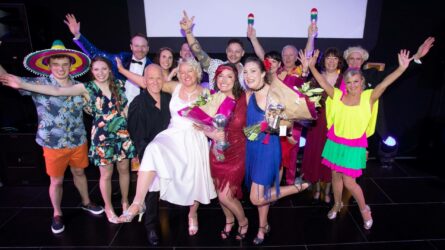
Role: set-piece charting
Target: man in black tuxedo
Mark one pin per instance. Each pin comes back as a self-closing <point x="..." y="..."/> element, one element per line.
<point x="148" y="115"/>
<point x="136" y="61"/>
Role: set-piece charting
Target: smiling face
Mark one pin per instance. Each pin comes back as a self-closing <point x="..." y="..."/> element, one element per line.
<point x="355" y="60"/>
<point x="354" y="84"/>
<point x="187" y="75"/>
<point x="289" y="56"/>
<point x="185" y="51"/>
<point x="101" y="72"/>
<point x="154" y="79"/>
<point x="225" y="81"/>
<point x="166" y="59"/>
<point x="139" y="47"/>
<point x="60" y="67"/>
<point x="253" y="76"/>
<point x="331" y="63"/>
<point x="234" y="53"/>
<point x="274" y="65"/>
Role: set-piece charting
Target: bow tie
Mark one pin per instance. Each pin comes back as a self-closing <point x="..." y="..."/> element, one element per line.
<point x="134" y="61"/>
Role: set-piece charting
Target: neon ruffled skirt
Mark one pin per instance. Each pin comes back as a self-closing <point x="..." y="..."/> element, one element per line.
<point x="344" y="159"/>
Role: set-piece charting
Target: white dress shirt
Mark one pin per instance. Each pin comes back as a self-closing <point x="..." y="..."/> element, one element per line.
<point x="131" y="88"/>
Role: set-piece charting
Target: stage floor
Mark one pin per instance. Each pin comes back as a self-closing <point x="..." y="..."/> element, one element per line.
<point x="408" y="207"/>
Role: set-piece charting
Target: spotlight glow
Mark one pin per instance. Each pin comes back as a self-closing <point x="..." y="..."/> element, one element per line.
<point x="390" y="141"/>
<point x="302" y="142"/>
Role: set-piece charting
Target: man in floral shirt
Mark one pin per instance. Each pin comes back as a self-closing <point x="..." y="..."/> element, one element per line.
<point x="61" y="131"/>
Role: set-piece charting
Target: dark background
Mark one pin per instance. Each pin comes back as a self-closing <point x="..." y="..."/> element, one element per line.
<point x="415" y="108"/>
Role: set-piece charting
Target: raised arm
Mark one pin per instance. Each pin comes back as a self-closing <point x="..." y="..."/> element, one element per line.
<point x="424" y="48"/>
<point x="186" y="24"/>
<point x="139" y="80"/>
<point x="17" y="83"/>
<point x="319" y="77"/>
<point x="404" y="61"/>
<point x="169" y="86"/>
<point x="311" y="34"/>
<point x="251" y="34"/>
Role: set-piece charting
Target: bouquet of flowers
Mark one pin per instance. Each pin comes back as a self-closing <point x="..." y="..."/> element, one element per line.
<point x="211" y="111"/>
<point x="313" y="94"/>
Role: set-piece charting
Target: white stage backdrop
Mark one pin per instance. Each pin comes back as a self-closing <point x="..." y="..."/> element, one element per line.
<point x="273" y="18"/>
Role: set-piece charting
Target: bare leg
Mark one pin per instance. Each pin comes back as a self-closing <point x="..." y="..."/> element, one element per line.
<point x="80" y="181"/>
<point x="257" y="191"/>
<point x="317" y="191"/>
<point x="123" y="167"/>
<point x="232" y="207"/>
<point x="106" y="172"/>
<point x="357" y="193"/>
<point x="337" y="186"/>
<point x="55" y="194"/>
<point x="193" y="219"/>
<point x="263" y="211"/>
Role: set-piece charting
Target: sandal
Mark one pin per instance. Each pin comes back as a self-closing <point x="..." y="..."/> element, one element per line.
<point x="266" y="231"/>
<point x="242" y="235"/>
<point x="226" y="234"/>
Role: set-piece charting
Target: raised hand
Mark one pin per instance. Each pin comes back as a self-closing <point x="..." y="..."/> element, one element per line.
<point x="251" y="32"/>
<point x="118" y="63"/>
<point x="186" y="23"/>
<point x="404" y="59"/>
<point x="72" y="24"/>
<point x="303" y="59"/>
<point x="312" y="30"/>
<point x="424" y="48"/>
<point x="313" y="59"/>
<point x="11" y="81"/>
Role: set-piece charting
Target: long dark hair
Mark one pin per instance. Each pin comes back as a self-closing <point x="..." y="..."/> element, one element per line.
<point x="158" y="57"/>
<point x="111" y="80"/>
<point x="236" y="90"/>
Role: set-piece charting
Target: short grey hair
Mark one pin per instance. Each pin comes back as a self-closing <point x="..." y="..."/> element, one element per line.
<point x="362" y="51"/>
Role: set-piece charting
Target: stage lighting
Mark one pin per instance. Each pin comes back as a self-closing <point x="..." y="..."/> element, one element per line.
<point x="387" y="151"/>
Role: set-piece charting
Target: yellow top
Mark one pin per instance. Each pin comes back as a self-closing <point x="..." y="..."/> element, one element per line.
<point x="350" y="122"/>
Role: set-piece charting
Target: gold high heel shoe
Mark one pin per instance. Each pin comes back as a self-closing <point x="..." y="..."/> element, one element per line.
<point x="332" y="214"/>
<point x="367" y="224"/>
<point x="129" y="214"/>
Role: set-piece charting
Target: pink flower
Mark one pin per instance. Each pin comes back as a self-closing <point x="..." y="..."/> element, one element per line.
<point x="263" y="126"/>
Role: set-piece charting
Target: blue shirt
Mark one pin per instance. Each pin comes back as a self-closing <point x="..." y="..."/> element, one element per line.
<point x="60" y="118"/>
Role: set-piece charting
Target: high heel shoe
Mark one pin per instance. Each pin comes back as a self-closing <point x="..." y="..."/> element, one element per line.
<point x="299" y="183"/>
<point x="332" y="214"/>
<point x="129" y="214"/>
<point x="193" y="227"/>
<point x="113" y="218"/>
<point x="240" y="235"/>
<point x="367" y="224"/>
<point x="226" y="234"/>
<point x="125" y="205"/>
<point x="266" y="231"/>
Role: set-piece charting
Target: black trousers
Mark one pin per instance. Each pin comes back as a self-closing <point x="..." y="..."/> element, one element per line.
<point x="152" y="210"/>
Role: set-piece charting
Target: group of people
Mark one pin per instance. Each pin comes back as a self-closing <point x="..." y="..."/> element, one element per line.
<point x="135" y="105"/>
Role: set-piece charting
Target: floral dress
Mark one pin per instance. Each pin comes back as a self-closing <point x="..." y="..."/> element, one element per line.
<point x="110" y="141"/>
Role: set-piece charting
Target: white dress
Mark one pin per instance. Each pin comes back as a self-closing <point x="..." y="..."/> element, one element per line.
<point x="180" y="157"/>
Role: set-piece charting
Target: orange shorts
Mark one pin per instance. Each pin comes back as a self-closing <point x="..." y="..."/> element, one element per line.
<point x="57" y="160"/>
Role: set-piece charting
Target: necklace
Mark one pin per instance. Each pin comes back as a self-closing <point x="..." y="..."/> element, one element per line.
<point x="260" y="88"/>
<point x="190" y="94"/>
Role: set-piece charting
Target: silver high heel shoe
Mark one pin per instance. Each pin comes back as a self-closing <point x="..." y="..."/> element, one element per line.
<point x="128" y="215"/>
<point x="367" y="224"/>
<point x="332" y="214"/>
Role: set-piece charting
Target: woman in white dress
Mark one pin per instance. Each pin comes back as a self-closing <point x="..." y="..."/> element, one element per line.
<point x="176" y="162"/>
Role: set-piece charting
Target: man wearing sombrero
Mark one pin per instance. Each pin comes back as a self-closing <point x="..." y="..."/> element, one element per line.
<point x="61" y="131"/>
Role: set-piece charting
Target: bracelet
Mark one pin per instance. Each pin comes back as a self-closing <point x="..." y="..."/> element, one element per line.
<point x="188" y="31"/>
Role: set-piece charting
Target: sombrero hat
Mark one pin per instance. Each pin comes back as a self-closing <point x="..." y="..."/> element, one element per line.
<point x="37" y="62"/>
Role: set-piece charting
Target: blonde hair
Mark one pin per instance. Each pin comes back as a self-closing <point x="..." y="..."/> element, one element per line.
<point x="195" y="66"/>
<point x="362" y="51"/>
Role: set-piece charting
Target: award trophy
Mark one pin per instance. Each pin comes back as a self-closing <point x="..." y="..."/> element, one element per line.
<point x="220" y="122"/>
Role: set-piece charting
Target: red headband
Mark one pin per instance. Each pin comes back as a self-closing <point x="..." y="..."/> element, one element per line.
<point x="220" y="69"/>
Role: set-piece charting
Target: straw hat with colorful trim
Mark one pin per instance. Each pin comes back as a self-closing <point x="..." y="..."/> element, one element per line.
<point x="37" y="62"/>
